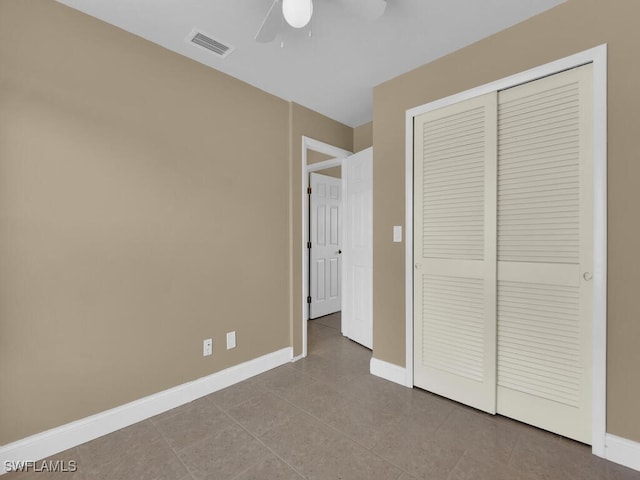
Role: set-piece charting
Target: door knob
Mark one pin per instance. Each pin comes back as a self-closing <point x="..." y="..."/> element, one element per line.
<point x="417" y="266"/>
<point x="587" y="276"/>
<point x="339" y="252"/>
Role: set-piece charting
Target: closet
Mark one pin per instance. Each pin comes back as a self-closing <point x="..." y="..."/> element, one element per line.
<point x="503" y="249"/>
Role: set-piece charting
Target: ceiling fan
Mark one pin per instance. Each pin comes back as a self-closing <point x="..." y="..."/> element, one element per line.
<point x="297" y="14"/>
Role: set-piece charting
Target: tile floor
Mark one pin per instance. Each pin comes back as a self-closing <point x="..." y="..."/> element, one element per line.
<point x="325" y="417"/>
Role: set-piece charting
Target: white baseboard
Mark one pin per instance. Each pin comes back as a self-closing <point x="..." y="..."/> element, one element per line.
<point x="388" y="371"/>
<point x="50" y="442"/>
<point x="622" y="451"/>
<point x="299" y="357"/>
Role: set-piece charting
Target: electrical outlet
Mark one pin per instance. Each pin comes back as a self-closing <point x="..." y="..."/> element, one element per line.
<point x="207" y="347"/>
<point x="231" y="340"/>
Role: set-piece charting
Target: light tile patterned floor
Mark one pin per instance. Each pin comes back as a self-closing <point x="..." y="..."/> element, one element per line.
<point x="325" y="417"/>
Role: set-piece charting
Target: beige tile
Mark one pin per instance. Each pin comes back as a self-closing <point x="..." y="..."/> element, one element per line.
<point x="315" y="365"/>
<point x="386" y="430"/>
<point x="262" y="413"/>
<point x="319" y="452"/>
<point x="236" y="394"/>
<point x="130" y="440"/>
<point x="366" y="422"/>
<point x="154" y="462"/>
<point x="379" y="392"/>
<point x="318" y="399"/>
<point x="202" y="401"/>
<point x="283" y="379"/>
<point x="344" y="459"/>
<point x="271" y="468"/>
<point x="315" y="329"/>
<point x="541" y="455"/>
<point x="578" y="463"/>
<point x="612" y="471"/>
<point x="226" y="454"/>
<point x="352" y="356"/>
<point x="483" y="435"/>
<point x="360" y="421"/>
<point x="416" y="452"/>
<point x="190" y="423"/>
<point x="300" y="441"/>
<point x="473" y="468"/>
<point x="321" y="337"/>
<point x="329" y="371"/>
<point x="331" y="321"/>
<point x="406" y="476"/>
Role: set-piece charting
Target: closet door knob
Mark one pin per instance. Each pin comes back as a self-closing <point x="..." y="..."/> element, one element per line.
<point x="587" y="276"/>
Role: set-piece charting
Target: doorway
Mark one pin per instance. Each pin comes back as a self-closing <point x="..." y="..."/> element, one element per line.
<point x="316" y="157"/>
<point x="319" y="158"/>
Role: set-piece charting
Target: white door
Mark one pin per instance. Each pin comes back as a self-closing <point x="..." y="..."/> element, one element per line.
<point x="545" y="252"/>
<point x="357" y="312"/>
<point x="454" y="251"/>
<point x="324" y="235"/>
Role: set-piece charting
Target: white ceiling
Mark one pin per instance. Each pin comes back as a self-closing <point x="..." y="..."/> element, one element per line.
<point x="332" y="72"/>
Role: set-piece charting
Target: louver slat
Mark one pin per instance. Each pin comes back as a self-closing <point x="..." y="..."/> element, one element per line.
<point x="539" y="177"/>
<point x="453" y="193"/>
<point x="538" y="340"/>
<point x="453" y="320"/>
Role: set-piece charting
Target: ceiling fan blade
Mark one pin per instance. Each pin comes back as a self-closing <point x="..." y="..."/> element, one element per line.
<point x="366" y="9"/>
<point x="271" y="25"/>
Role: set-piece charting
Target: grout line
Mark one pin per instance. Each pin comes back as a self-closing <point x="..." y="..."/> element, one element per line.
<point x="322" y="422"/>
<point x="340" y="432"/>
<point x="99" y="468"/>
<point x="464" y="453"/>
<point x="189" y="472"/>
<point x="261" y="393"/>
<point x="264" y="445"/>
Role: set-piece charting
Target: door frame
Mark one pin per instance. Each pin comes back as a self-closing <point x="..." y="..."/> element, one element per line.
<point x="339" y="155"/>
<point x="598" y="57"/>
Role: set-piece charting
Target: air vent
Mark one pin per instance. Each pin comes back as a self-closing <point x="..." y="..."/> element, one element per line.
<point x="206" y="42"/>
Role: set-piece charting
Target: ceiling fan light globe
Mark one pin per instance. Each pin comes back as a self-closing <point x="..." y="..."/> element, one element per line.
<point x="297" y="13"/>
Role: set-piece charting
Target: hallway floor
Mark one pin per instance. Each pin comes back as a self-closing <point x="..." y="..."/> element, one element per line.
<point x="325" y="417"/>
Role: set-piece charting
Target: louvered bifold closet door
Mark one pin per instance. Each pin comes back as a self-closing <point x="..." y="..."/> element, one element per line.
<point x="454" y="251"/>
<point x="545" y="253"/>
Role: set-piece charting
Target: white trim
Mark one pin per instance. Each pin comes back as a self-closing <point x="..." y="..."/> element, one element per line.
<point x="622" y="451"/>
<point x="388" y="371"/>
<point x="599" y="328"/>
<point x="295" y="359"/>
<point x="408" y="253"/>
<point x="598" y="57"/>
<point x="339" y="154"/>
<point x="316" y="167"/>
<point x="61" y="438"/>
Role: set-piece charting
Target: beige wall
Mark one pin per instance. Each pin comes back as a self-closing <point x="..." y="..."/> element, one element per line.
<point x="130" y="204"/>
<point x="363" y="137"/>
<point x="572" y="27"/>
<point x="305" y="122"/>
<point x="316" y="157"/>
<point x="335" y="172"/>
